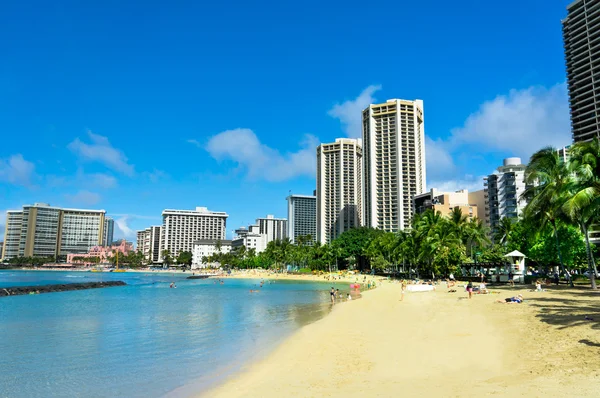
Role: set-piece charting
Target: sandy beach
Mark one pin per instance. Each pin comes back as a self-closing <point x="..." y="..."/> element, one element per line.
<point x="437" y="344"/>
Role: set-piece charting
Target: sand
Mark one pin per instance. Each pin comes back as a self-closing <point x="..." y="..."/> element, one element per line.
<point x="437" y="344"/>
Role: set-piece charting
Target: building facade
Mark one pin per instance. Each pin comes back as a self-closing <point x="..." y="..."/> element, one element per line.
<point x="205" y="248"/>
<point x="148" y="243"/>
<point x="503" y="190"/>
<point x="101" y="253"/>
<point x="181" y="228"/>
<point x="302" y="217"/>
<point x="445" y="203"/>
<point x="251" y="238"/>
<point x="274" y="228"/>
<point x="108" y="233"/>
<point x="339" y="188"/>
<point x="40" y="230"/>
<point x="393" y="162"/>
<point x="478" y="199"/>
<point x="581" y="36"/>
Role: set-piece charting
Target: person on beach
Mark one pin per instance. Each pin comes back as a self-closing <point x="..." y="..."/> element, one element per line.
<point x="510" y="278"/>
<point x="483" y="288"/>
<point x="512" y="300"/>
<point x="338" y="294"/>
<point x="332" y="294"/>
<point x="403" y="289"/>
<point x="470" y="289"/>
<point x="349" y="297"/>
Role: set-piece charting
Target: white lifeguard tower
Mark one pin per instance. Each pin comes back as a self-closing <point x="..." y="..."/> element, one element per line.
<point x="517" y="265"/>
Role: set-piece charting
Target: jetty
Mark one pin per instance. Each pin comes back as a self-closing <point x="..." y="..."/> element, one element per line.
<point x="21" y="290"/>
<point x="198" y="277"/>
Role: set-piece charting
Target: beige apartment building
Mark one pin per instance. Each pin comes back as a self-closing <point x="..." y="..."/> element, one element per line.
<point x="393" y="162"/>
<point x="40" y="230"/>
<point x="446" y="202"/>
<point x="181" y="228"/>
<point x="339" y="188"/>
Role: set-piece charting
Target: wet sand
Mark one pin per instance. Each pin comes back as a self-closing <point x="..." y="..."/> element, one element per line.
<point x="437" y="344"/>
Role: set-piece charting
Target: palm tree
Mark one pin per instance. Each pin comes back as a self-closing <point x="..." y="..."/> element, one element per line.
<point x="459" y="223"/>
<point x="583" y="205"/>
<point x="504" y="230"/>
<point x="547" y="178"/>
<point x="477" y="234"/>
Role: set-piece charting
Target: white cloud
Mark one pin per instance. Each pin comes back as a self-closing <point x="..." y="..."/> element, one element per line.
<point x="521" y="122"/>
<point x="261" y="161"/>
<point x="123" y="229"/>
<point x="438" y="159"/>
<point x="83" y="197"/>
<point x="16" y="170"/>
<point x="100" y="150"/>
<point x="517" y="124"/>
<point x="194" y="142"/>
<point x="82" y="180"/>
<point x="349" y="112"/>
<point x="155" y="175"/>
<point x="101" y="180"/>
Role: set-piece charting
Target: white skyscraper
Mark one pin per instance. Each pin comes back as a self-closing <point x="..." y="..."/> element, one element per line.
<point x="503" y="190"/>
<point x="339" y="188"/>
<point x="393" y="162"/>
<point x="181" y="228"/>
<point x="274" y="228"/>
<point x="148" y="242"/>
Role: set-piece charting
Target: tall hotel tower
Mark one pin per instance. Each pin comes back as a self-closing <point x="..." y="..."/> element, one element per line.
<point x="581" y="36"/>
<point x="393" y="162"/>
<point x="339" y="188"/>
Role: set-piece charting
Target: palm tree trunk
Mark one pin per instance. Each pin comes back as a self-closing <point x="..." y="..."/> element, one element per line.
<point x="562" y="266"/>
<point x="591" y="263"/>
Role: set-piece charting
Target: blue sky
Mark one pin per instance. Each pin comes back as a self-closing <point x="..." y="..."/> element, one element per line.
<point x="134" y="107"/>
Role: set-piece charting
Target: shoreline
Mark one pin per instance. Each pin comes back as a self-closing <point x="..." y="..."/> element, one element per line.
<point x="436" y="344"/>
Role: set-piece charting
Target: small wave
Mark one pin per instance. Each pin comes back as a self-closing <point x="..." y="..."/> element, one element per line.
<point x="74" y="276"/>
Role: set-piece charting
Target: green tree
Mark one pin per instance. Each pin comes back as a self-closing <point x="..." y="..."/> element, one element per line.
<point x="547" y="178"/>
<point x="185" y="258"/>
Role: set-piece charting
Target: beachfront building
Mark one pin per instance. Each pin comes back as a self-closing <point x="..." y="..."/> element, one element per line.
<point x="503" y="190"/>
<point x="581" y="36"/>
<point x="274" y="228"/>
<point x="445" y="203"/>
<point x="204" y="248"/>
<point x="339" y="188"/>
<point x="302" y="217"/>
<point x="393" y="162"/>
<point x="148" y="243"/>
<point x="100" y="254"/>
<point x="108" y="232"/>
<point x="40" y="230"/>
<point x="250" y="238"/>
<point x="181" y="228"/>
<point x="12" y="234"/>
<point x="478" y="199"/>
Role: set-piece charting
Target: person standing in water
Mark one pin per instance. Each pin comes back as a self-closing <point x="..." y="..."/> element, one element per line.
<point x="332" y="294"/>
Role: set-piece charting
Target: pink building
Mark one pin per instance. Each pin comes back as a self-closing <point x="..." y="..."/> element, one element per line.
<point x="102" y="252"/>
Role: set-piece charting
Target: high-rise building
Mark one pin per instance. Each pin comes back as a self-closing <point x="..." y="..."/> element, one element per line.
<point x="503" y="190"/>
<point x="339" y="188"/>
<point x="181" y="228"/>
<point x="148" y="243"/>
<point x="393" y="162"/>
<point x="581" y="34"/>
<point x="108" y="233"/>
<point x="302" y="217"/>
<point x="40" y="230"/>
<point x="274" y="228"/>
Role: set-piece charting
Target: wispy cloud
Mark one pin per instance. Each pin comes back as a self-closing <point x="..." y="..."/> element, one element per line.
<point x="82" y="180"/>
<point x="123" y="228"/>
<point x="261" y="161"/>
<point x="349" y="112"/>
<point x="17" y="171"/>
<point x="83" y="197"/>
<point x="195" y="143"/>
<point x="155" y="175"/>
<point x="100" y="150"/>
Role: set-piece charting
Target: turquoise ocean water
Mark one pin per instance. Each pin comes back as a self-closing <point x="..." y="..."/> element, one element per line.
<point x="143" y="339"/>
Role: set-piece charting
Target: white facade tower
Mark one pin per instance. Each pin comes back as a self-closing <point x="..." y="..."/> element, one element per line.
<point x="393" y="162"/>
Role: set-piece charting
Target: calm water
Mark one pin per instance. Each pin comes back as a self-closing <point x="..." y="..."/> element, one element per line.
<point x="144" y="339"/>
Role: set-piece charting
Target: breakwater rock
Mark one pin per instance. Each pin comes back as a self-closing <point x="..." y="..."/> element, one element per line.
<point x="20" y="290"/>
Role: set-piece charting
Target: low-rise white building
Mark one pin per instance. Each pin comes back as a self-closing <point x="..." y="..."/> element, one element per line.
<point x="204" y="248"/>
<point x="251" y="238"/>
